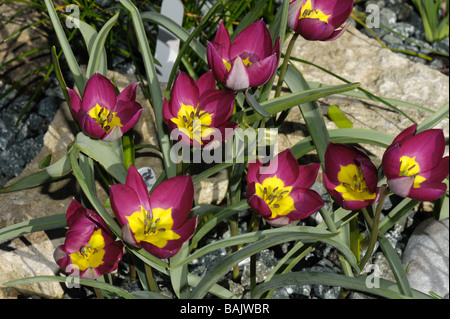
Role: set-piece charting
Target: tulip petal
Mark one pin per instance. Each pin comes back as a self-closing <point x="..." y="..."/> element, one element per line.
<point x="176" y="193"/>
<point x="215" y="61"/>
<point x="99" y="90"/>
<point x="401" y="186"/>
<point x="129" y="114"/>
<point x="128" y="94"/>
<point x="256" y="202"/>
<point x="124" y="202"/>
<point x="428" y="191"/>
<point x="218" y="103"/>
<point x="313" y="29"/>
<point x="287" y="168"/>
<point x="406" y="133"/>
<point x="340" y="10"/>
<point x="205" y="84"/>
<point x="306" y="202"/>
<point x="427" y="147"/>
<point x="238" y="78"/>
<point x="260" y="72"/>
<point x="184" y="91"/>
<point x="75" y="102"/>
<point x="223" y="40"/>
<point x="307" y="175"/>
<point x="254" y="39"/>
<point x="136" y="182"/>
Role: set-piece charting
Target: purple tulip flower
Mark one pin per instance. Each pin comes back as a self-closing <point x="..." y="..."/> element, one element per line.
<point x="158" y="223"/>
<point x="198" y="113"/>
<point x="283" y="195"/>
<point x="414" y="166"/>
<point x="351" y="178"/>
<point x="89" y="245"/>
<point x="250" y="61"/>
<point x="101" y="114"/>
<point x="319" y="19"/>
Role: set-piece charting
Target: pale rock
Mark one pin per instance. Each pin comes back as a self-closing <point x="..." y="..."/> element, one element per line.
<point x="426" y="257"/>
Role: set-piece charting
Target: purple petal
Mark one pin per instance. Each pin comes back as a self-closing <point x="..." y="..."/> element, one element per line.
<point x="124" y="202"/>
<point x="428" y="191"/>
<point x="136" y="182"/>
<point x="438" y="173"/>
<point x="176" y="193"/>
<point x="253" y="172"/>
<point x="75" y="102"/>
<point x="184" y="91"/>
<point x="99" y="90"/>
<point x="406" y="133"/>
<point x="391" y="161"/>
<point x="129" y="115"/>
<point x="260" y="72"/>
<point x="287" y="168"/>
<point x="238" y="78"/>
<point x="128" y="94"/>
<point x="223" y="40"/>
<point x="218" y="103"/>
<point x="215" y="61"/>
<point x="206" y="83"/>
<point x="254" y="39"/>
<point x="427" y="147"/>
<point x="113" y="255"/>
<point x="78" y="235"/>
<point x="306" y="202"/>
<point x="186" y="231"/>
<point x="256" y="202"/>
<point x="90" y="126"/>
<point x="307" y="175"/>
<point x="340" y="10"/>
<point x="313" y="29"/>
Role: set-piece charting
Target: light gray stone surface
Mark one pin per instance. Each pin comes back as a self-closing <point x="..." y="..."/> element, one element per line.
<point x="426" y="257"/>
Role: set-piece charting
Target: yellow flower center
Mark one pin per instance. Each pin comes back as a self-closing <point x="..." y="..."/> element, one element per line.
<point x="353" y="184"/>
<point x="194" y="122"/>
<point x="228" y="64"/>
<point x="409" y="167"/>
<point x="106" y="119"/>
<point x="90" y="255"/>
<point x="276" y="195"/>
<point x="307" y="12"/>
<point x="153" y="226"/>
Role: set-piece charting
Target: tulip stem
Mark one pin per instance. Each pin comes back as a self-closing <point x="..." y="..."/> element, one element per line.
<point x="284" y="66"/>
<point x="151" y="279"/>
<point x="374" y="231"/>
<point x="256" y="220"/>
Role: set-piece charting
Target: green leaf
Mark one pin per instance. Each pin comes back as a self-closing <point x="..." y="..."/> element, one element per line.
<point x="285" y="102"/>
<point x="434" y="119"/>
<point x="396" y="266"/>
<point x="338" y="117"/>
<point x="387" y="288"/>
<point x="97" y="57"/>
<point x="45" y="162"/>
<point x="156" y="99"/>
<point x="79" y="78"/>
<point x="85" y="282"/>
<point x="51" y="173"/>
<point x="251" y="100"/>
<point x="220" y="269"/>
<point x="33" y="225"/>
<point x="89" y="35"/>
<point x="178" y="275"/>
<point x="104" y="153"/>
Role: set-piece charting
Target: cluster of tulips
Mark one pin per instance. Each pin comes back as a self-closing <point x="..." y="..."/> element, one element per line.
<point x="413" y="166"/>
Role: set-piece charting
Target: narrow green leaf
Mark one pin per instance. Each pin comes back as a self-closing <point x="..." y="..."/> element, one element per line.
<point x="396" y="266"/>
<point x="104" y="153"/>
<point x="400" y="210"/>
<point x="338" y="117"/>
<point x="89" y="35"/>
<point x="178" y="275"/>
<point x="387" y="289"/>
<point x="251" y="100"/>
<point x="155" y="90"/>
<point x="79" y="78"/>
<point x="45" y="162"/>
<point x="51" y="173"/>
<point x="97" y="58"/>
<point x="285" y="102"/>
<point x="33" y="225"/>
<point x="434" y="119"/>
<point x="85" y="282"/>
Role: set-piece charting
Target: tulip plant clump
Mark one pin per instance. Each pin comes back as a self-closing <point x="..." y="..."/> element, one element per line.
<point x="160" y="228"/>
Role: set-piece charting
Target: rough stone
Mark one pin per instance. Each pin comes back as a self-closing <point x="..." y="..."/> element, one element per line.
<point x="357" y="58"/>
<point x="426" y="257"/>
